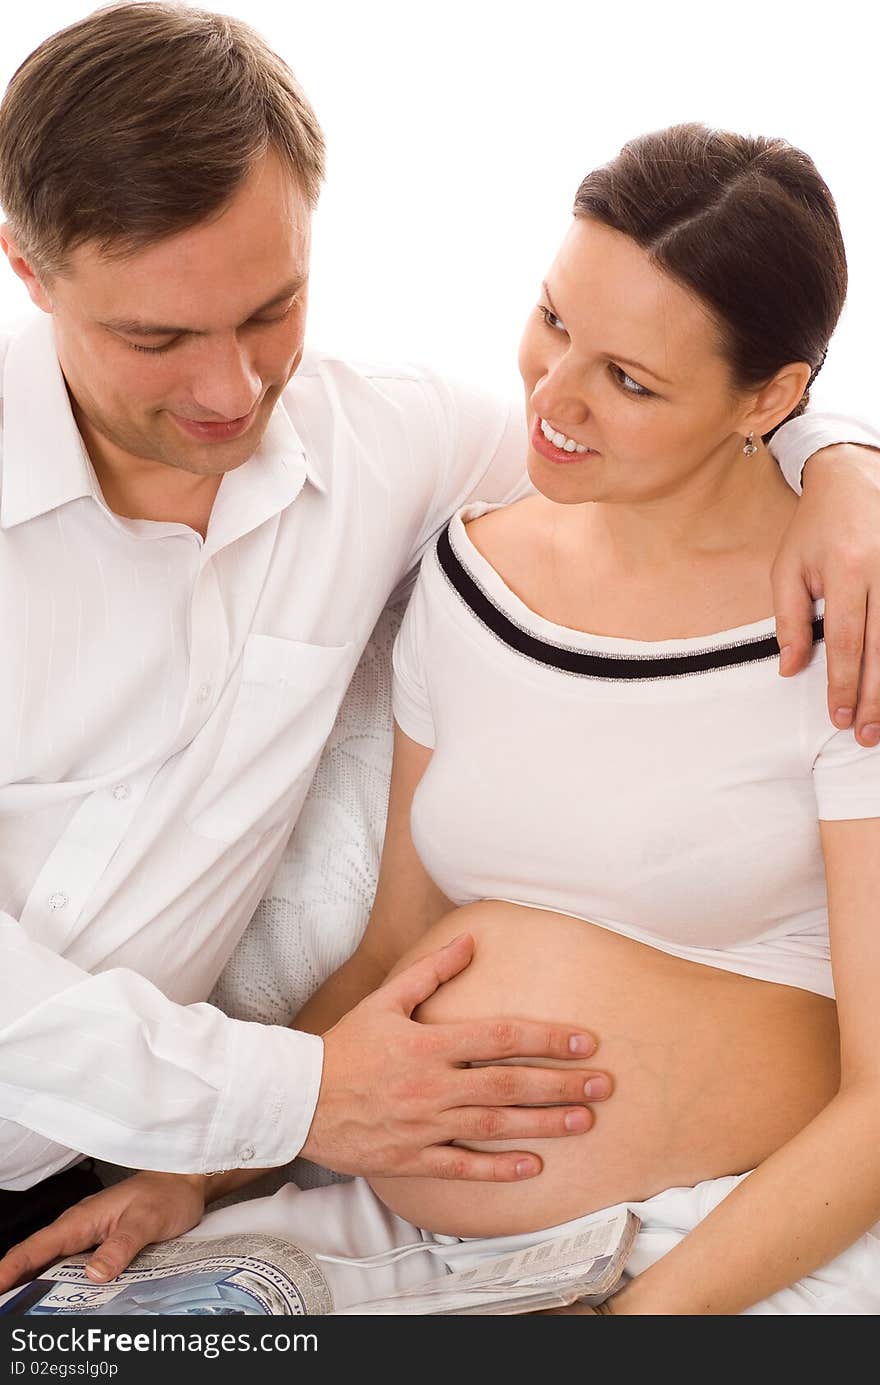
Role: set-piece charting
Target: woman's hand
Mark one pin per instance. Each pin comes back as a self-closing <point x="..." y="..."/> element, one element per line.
<point x="832" y="549"/>
<point x="119" y="1221"/>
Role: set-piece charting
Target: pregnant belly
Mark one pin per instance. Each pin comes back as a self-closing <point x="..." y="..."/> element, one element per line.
<point x="712" y="1071"/>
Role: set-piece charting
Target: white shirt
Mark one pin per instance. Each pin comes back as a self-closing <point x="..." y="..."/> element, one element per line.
<point x="163" y="704"/>
<point x="668" y="790"/>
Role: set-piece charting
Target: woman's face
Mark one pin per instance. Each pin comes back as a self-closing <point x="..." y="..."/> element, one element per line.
<point x="620" y="360"/>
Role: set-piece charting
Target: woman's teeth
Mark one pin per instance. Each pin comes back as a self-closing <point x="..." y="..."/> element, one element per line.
<point x="560" y="440"/>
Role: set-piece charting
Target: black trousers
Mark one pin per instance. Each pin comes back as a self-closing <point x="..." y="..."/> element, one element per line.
<point x="23" y="1213"/>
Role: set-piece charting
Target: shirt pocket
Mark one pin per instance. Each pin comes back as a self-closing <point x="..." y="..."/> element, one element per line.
<point x="284" y="710"/>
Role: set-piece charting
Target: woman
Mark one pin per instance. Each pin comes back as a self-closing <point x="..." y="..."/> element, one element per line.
<point x="645" y="830"/>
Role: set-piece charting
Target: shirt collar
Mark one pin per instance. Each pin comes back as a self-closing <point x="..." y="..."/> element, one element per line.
<point x="45" y="463"/>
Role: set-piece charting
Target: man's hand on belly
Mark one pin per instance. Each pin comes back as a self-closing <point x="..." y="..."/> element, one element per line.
<point x="395" y="1093"/>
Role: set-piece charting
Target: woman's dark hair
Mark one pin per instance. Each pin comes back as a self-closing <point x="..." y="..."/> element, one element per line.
<point x="747" y="224"/>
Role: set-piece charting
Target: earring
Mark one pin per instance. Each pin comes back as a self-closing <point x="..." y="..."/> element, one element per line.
<point x="749" y="446"/>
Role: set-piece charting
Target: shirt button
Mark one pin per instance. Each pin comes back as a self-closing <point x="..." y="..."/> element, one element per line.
<point x="246" y="1153"/>
<point x="204" y="692"/>
<point x="122" y="791"/>
<point x="58" y="901"/>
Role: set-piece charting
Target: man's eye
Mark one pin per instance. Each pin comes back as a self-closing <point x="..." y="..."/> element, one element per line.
<point x="551" y="319"/>
<point x="276" y="317"/>
<point x="152" y="350"/>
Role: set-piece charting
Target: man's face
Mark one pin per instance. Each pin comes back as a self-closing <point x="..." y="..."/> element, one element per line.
<point x="178" y="353"/>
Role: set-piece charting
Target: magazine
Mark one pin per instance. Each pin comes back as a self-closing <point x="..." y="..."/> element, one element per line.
<point x="264" y="1275"/>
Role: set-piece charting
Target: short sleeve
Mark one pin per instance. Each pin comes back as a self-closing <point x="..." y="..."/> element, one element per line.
<point x="846" y="779"/>
<point x="409" y="688"/>
<point x="795" y="442"/>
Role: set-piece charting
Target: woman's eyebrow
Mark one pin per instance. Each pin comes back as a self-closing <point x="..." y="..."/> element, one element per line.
<point x="636" y="365"/>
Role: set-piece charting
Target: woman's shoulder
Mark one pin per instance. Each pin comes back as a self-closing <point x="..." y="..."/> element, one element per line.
<point x="505" y="536"/>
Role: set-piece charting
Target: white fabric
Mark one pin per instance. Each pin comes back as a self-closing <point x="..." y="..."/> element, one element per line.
<point x="679" y="809"/>
<point x="813" y="431"/>
<point x="315" y="910"/>
<point x="163" y="704"/>
<point x="350" y="1220"/>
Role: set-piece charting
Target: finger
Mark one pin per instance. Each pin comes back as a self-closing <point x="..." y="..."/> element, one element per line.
<point x="525" y="1086"/>
<point x="66" y="1236"/>
<point x="845" y="617"/>
<point x="793" y="606"/>
<point x="116" y="1253"/>
<point x="516" y="1123"/>
<point x="493" y="1039"/>
<point x="447" y="1161"/>
<point x="868" y="710"/>
<point x="421" y="979"/>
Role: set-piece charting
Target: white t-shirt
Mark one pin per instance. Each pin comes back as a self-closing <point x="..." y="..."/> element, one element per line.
<point x="670" y="791"/>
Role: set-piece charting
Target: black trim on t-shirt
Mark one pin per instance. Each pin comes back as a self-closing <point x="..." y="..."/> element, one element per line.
<point x="592" y="665"/>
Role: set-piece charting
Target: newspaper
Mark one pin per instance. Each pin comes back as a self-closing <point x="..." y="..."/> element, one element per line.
<point x="246" y="1275"/>
<point x="585" y="1265"/>
<point x="255" y="1275"/>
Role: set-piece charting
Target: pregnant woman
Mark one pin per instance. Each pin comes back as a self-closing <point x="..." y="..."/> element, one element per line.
<point x="601" y="780"/>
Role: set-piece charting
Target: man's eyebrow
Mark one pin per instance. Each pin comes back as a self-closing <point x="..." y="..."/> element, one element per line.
<point x="136" y="327"/>
<point x="623" y="360"/>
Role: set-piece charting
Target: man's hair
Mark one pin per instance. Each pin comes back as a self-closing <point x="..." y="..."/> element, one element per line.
<point x="141" y="121"/>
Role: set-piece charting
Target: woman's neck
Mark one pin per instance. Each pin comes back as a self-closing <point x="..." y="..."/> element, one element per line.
<point x="714" y="517"/>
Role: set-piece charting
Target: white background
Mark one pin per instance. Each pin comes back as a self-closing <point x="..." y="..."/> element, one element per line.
<point x="458" y="133"/>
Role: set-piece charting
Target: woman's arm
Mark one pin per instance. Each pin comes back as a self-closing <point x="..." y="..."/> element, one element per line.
<point x="407" y="902"/>
<point x="818" y="1193"/>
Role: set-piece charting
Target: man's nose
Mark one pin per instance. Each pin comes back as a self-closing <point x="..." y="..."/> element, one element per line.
<point x="226" y="385"/>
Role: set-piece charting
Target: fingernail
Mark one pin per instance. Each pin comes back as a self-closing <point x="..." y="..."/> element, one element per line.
<point x="525" y="1168"/>
<point x="456" y="939"/>
<point x="596" y="1088"/>
<point x="785" y="657"/>
<point x="843" y="717"/>
<point x="581" y="1043"/>
<point x="576" y="1120"/>
<point x="870" y="735"/>
<point x="98" y="1271"/>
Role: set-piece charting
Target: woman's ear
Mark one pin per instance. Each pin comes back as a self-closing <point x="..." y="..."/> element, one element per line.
<point x="21" y="266"/>
<point x="775" y="400"/>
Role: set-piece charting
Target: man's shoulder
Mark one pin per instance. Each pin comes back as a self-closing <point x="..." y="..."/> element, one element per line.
<point x="317" y="363"/>
<point x="345" y="381"/>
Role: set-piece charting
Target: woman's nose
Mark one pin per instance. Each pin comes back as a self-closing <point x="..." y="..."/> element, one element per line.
<point x="560" y="398"/>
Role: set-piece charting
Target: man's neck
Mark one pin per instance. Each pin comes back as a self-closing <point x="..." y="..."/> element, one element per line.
<point x="137" y="488"/>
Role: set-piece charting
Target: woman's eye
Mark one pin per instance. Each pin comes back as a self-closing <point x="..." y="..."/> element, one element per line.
<point x="551" y="319"/>
<point x="628" y="384"/>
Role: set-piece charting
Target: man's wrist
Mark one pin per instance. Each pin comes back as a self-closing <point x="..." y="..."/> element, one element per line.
<point x="221" y="1184"/>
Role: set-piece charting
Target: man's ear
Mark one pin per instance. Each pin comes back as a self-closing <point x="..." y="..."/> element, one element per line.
<point x="777" y="398"/>
<point x="25" y="270"/>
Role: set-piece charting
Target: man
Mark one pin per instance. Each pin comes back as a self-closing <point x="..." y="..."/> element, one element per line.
<point x="199" y="525"/>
